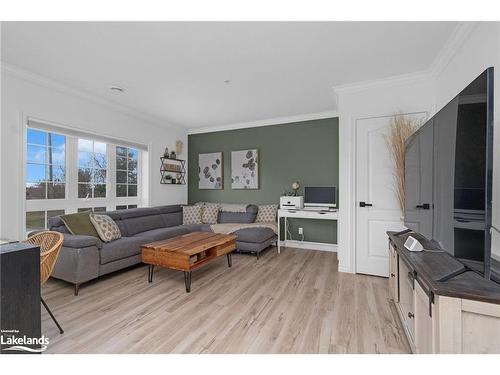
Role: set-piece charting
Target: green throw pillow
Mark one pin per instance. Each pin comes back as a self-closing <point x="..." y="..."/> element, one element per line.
<point x="80" y="224"/>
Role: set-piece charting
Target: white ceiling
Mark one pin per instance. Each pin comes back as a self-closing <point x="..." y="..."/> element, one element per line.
<point x="175" y="71"/>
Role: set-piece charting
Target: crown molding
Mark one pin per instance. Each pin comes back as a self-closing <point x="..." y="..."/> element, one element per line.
<point x="49" y="83"/>
<point x="452" y="45"/>
<point x="450" y="48"/>
<point x="266" y="122"/>
<point x="391" y="81"/>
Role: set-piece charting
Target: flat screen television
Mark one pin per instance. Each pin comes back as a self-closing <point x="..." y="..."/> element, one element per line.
<point x="320" y="196"/>
<point x="448" y="177"/>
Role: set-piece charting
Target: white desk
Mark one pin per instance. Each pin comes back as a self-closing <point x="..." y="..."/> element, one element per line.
<point x="303" y="214"/>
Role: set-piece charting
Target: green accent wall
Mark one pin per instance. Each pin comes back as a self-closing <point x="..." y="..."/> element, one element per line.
<point x="306" y="151"/>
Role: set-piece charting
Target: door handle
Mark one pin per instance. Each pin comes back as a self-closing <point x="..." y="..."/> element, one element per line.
<point x="364" y="204"/>
<point x="424" y="206"/>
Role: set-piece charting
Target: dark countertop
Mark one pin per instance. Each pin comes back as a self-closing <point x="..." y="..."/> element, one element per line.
<point x="14" y="246"/>
<point x="433" y="270"/>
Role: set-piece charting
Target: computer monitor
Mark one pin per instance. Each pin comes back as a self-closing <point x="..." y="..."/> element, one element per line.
<point x="320" y="196"/>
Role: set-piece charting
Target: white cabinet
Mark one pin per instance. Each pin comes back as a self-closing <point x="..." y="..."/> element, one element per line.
<point x="393" y="274"/>
<point x="424" y="332"/>
<point x="406" y="303"/>
<point x="441" y="324"/>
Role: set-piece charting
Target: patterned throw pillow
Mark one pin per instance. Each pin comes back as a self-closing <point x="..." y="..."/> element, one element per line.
<point x="267" y="213"/>
<point x="105" y="227"/>
<point x="210" y="213"/>
<point x="191" y="214"/>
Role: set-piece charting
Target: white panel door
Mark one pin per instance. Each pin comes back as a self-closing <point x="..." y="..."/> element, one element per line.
<point x="375" y="187"/>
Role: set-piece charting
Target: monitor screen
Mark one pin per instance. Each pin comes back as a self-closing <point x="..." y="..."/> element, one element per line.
<point x="320" y="196"/>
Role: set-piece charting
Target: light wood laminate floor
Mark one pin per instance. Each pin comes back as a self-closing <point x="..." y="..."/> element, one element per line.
<point x="293" y="302"/>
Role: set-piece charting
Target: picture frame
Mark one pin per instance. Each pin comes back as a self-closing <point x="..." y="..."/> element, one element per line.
<point x="210" y="171"/>
<point x="245" y="169"/>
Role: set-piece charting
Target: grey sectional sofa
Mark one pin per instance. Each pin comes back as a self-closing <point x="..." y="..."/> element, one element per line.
<point x="84" y="258"/>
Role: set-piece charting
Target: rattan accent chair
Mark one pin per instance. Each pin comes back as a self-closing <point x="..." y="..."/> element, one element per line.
<point x="50" y="244"/>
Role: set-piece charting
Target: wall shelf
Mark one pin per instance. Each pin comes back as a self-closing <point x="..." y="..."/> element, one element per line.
<point x="176" y="168"/>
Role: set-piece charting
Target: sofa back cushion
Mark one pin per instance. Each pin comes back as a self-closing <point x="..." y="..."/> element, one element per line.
<point x="172" y="215"/>
<point x="57" y="225"/>
<point x="139" y="220"/>
<point x="239" y="217"/>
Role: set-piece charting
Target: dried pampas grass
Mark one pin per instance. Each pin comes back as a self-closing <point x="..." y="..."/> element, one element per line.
<point x="402" y="127"/>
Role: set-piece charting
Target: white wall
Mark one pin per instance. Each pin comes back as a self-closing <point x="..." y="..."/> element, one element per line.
<point x="405" y="94"/>
<point x="27" y="95"/>
<point x="480" y="50"/>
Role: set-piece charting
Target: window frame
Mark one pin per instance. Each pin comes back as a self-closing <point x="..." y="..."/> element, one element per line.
<point x="45" y="164"/>
<point x="71" y="203"/>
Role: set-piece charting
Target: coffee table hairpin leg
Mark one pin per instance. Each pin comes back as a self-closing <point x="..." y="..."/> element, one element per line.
<point x="150" y="273"/>
<point x="229" y="260"/>
<point x="187" y="280"/>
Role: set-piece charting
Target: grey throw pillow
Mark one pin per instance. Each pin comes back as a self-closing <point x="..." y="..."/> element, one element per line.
<point x="210" y="213"/>
<point x="106" y="227"/>
<point x="191" y="214"/>
<point x="267" y="213"/>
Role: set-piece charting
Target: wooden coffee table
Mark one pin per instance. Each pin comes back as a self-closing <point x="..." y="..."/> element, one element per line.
<point x="188" y="252"/>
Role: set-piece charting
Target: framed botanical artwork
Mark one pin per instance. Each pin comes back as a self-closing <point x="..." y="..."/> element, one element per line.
<point x="210" y="170"/>
<point x="245" y="169"/>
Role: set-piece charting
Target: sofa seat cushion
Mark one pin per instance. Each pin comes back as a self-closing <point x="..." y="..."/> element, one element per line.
<point x="254" y="235"/>
<point x="163" y="233"/>
<point x="198" y="227"/>
<point x="123" y="248"/>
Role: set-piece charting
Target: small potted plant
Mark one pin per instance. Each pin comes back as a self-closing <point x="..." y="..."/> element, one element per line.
<point x="168" y="179"/>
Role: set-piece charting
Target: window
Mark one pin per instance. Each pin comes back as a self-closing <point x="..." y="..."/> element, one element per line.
<point x="38" y="220"/>
<point x="124" y="206"/>
<point x="68" y="171"/>
<point x="92" y="167"/>
<point x="126" y="172"/>
<point x="93" y="209"/>
<point x="46" y="165"/>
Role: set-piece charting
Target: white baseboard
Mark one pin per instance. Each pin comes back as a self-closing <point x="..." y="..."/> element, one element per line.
<point x="310" y="245"/>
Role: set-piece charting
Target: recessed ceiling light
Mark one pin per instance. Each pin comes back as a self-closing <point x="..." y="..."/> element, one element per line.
<point x="117" y="90"/>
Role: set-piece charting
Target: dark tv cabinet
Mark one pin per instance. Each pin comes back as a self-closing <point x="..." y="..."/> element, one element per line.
<point x="443" y="307"/>
<point x="20" y="294"/>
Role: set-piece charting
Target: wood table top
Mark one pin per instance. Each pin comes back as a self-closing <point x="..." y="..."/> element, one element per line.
<point x="191" y="243"/>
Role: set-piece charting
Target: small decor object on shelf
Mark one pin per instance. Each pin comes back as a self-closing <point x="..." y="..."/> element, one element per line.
<point x="210" y="169"/>
<point x="245" y="169"/>
<point x="173" y="155"/>
<point x="178" y="147"/>
<point x="165" y="153"/>
<point x="295" y="187"/>
<point x="173" y="180"/>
